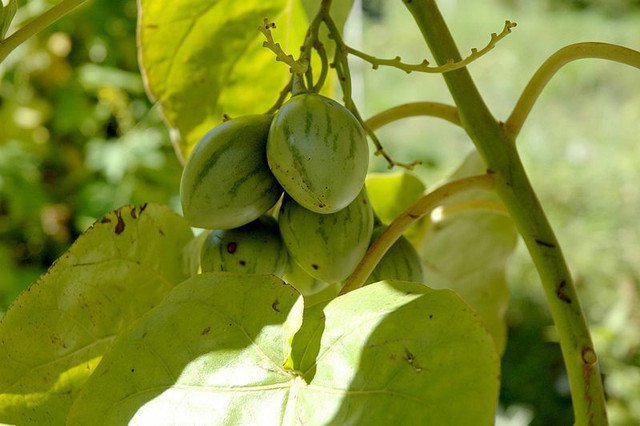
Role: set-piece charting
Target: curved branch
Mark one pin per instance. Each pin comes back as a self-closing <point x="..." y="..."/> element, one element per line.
<point x="567" y="54"/>
<point x="414" y="109"/>
<point x="424" y="66"/>
<point x="400" y="224"/>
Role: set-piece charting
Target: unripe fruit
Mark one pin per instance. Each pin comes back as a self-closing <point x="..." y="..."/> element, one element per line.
<point x="255" y="248"/>
<point x="226" y="182"/>
<point x="400" y="262"/>
<point x="301" y="281"/>
<point x="318" y="152"/>
<point x="327" y="246"/>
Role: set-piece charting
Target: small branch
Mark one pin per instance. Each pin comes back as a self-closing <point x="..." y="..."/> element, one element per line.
<point x="38" y="24"/>
<point x="415" y="109"/>
<point x="324" y="61"/>
<point x="281" y="98"/>
<point x="296" y="67"/>
<point x="340" y="64"/>
<point x="424" y="65"/>
<point x="567" y="54"/>
<point x="400" y="224"/>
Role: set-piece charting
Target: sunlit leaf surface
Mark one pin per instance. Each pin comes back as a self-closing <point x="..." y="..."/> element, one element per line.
<point x="56" y="332"/>
<point x="217" y="351"/>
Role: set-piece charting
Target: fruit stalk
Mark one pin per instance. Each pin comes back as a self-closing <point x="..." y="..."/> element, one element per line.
<point x="514" y="188"/>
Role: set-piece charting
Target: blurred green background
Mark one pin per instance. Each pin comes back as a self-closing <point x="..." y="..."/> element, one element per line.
<point x="78" y="137"/>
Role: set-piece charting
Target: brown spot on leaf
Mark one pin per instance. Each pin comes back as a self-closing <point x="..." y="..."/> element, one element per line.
<point x="105" y="220"/>
<point x="120" y="225"/>
<point x="275" y="305"/>
<point x="242" y="262"/>
<point x="142" y="207"/>
<point x="133" y="213"/>
<point x="232" y="247"/>
<point x="314" y="266"/>
<point x="205" y="331"/>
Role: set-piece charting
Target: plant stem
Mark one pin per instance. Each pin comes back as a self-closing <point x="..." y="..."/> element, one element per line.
<point x="514" y="188"/>
<point x="414" y="109"/>
<point x="400" y="224"/>
<point x="38" y="24"/>
<point x="556" y="61"/>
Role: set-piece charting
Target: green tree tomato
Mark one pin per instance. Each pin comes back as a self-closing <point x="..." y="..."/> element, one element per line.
<point x="327" y="246"/>
<point x="226" y="182"/>
<point x="400" y="262"/>
<point x="318" y="152"/>
<point x="255" y="248"/>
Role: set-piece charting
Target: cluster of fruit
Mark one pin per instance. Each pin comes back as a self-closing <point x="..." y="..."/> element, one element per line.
<point x="315" y="151"/>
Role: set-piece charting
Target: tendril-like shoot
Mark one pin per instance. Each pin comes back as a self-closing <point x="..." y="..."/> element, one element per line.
<point x="424" y="65"/>
<point x="296" y="67"/>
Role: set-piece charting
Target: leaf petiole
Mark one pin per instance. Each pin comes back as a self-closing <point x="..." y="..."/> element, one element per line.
<point x="552" y="65"/>
<point x="414" y="109"/>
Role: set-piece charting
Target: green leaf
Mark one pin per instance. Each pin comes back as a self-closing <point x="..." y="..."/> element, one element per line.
<point x="204" y="58"/>
<point x="391" y="193"/>
<point x="395" y="353"/>
<point x="56" y="332"/>
<point x="467" y="252"/>
<point x="213" y="353"/>
<point x="7" y="13"/>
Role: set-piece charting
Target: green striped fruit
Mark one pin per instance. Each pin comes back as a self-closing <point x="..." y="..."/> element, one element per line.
<point x="226" y="182"/>
<point x="400" y="262"/>
<point x="327" y="246"/>
<point x="318" y="152"/>
<point x="301" y="281"/>
<point x="255" y="248"/>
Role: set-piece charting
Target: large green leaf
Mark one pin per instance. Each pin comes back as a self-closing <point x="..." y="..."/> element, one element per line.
<point x="203" y="58"/>
<point x="395" y="353"/>
<point x="56" y="332"/>
<point x="217" y="351"/>
<point x="211" y="353"/>
<point x="467" y="252"/>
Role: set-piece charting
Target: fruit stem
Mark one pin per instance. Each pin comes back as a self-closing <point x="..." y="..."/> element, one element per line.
<point x="415" y="212"/>
<point x="281" y="97"/>
<point x="553" y="64"/>
<point x="36" y="25"/>
<point x="517" y="194"/>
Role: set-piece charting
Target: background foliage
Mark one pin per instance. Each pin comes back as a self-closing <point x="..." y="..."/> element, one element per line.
<point x="78" y="137"/>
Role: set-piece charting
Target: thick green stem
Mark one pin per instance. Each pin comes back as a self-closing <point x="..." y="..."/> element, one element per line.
<point x="36" y="25"/>
<point x="514" y="188"/>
